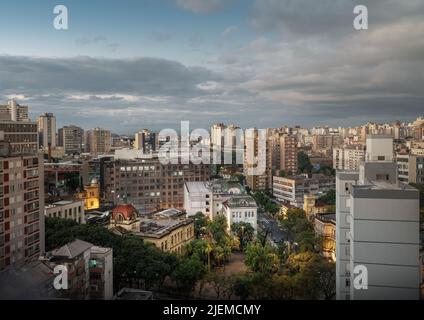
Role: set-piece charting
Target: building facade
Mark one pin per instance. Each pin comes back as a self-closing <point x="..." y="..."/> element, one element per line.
<point x="148" y="184"/>
<point x="71" y="138"/>
<point x="348" y="158"/>
<point x="325" y="227"/>
<point x="101" y="273"/>
<point x="22" y="136"/>
<point x="292" y="189"/>
<point x="169" y="230"/>
<point x="72" y="210"/>
<point x="98" y="141"/>
<point x="377" y="228"/>
<point x="13" y="111"/>
<point x="21" y="208"/>
<point x="241" y="208"/>
<point x="288" y="154"/>
<point x="410" y="167"/>
<point x="47" y="131"/>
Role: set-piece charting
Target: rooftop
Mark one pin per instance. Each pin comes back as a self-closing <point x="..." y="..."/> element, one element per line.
<point x="134" y="294"/>
<point x="33" y="281"/>
<point x="383" y="185"/>
<point x="62" y="203"/>
<point x="197" y="187"/>
<point x="72" y="249"/>
<point x="161" y="223"/>
<point x="326" y="217"/>
<point x="240" y="202"/>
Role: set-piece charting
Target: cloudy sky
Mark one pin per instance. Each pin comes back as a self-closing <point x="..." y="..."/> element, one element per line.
<point x="133" y="64"/>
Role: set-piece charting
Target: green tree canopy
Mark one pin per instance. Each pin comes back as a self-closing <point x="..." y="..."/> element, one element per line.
<point x="244" y="232"/>
<point x="263" y="259"/>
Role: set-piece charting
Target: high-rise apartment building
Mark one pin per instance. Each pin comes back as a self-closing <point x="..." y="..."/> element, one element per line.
<point x="348" y="158"/>
<point x="13" y="111"/>
<point x="217" y="134"/>
<point x="410" y="167"/>
<point x="377" y="228"/>
<point x="288" y="154"/>
<point x="21" y="208"/>
<point x="47" y="131"/>
<point x="21" y="136"/>
<point x="71" y="139"/>
<point x="257" y="165"/>
<point x="98" y="141"/>
<point x="146" y="141"/>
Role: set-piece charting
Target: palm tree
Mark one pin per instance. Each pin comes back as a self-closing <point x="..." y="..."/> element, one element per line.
<point x="208" y="250"/>
<point x="219" y="255"/>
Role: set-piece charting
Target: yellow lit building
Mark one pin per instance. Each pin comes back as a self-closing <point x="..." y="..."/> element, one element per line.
<point x="169" y="230"/>
<point x="313" y="208"/>
<point x="325" y="226"/>
<point x="91" y="196"/>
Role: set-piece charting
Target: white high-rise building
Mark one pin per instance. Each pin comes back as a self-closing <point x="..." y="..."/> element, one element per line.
<point x="377" y="227"/>
<point x="47" y="130"/>
<point x="13" y="112"/>
<point x="348" y="158"/>
<point x="217" y="134"/>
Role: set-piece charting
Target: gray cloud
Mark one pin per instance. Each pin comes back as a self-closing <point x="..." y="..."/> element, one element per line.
<point x="202" y="6"/>
<point x="307" y="66"/>
<point x="326" y="17"/>
<point x="142" y="76"/>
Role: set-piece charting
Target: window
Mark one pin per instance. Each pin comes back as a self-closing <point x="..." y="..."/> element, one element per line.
<point x="382" y="177"/>
<point x="347" y="283"/>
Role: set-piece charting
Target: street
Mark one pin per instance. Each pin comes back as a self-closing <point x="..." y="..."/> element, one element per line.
<point x="276" y="234"/>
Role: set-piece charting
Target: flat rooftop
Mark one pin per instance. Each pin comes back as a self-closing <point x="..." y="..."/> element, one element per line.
<point x="63" y="203"/>
<point x="158" y="228"/>
<point x="197" y="187"/>
<point x="383" y="185"/>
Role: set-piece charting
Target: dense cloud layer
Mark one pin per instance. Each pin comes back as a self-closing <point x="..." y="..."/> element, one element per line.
<point x="307" y="66"/>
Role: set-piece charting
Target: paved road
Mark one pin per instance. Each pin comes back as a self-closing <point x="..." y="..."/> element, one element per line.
<point x="276" y="233"/>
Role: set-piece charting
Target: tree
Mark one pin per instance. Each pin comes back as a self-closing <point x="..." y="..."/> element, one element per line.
<point x="187" y="273"/>
<point x="217" y="229"/>
<point x="292" y="218"/>
<point x="304" y="163"/>
<point x="262" y="259"/>
<point x="241" y="285"/>
<point x="329" y="198"/>
<point x="244" y="232"/>
<point x="200" y="224"/>
<point x="136" y="263"/>
<point x="219" y="283"/>
<point x="313" y="274"/>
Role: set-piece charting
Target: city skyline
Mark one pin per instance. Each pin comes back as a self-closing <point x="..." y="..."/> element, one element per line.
<point x="151" y="64"/>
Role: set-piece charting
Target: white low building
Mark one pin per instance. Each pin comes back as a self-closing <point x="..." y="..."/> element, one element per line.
<point x="198" y="198"/>
<point x="220" y="197"/>
<point x="73" y="210"/>
<point x="241" y="208"/>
